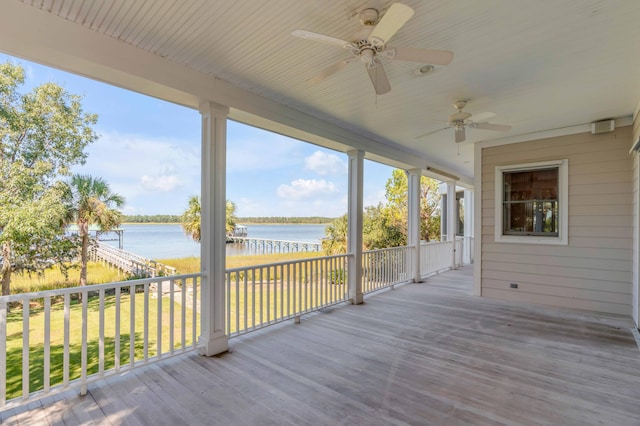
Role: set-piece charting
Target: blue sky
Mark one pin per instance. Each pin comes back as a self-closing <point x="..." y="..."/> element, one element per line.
<point x="149" y="152"/>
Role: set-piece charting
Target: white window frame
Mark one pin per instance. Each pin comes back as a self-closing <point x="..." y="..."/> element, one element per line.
<point x="563" y="203"/>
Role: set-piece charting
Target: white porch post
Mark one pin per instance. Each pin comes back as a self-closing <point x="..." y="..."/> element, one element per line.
<point x="413" y="222"/>
<point x="451" y="219"/>
<point x="212" y="228"/>
<point x="468" y="225"/>
<point x="354" y="231"/>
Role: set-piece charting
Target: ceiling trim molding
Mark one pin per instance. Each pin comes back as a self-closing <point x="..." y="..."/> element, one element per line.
<point x="551" y="133"/>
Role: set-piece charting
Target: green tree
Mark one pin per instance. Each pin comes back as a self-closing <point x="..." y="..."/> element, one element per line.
<point x="385" y="225"/>
<point x="396" y="207"/>
<point x="335" y="241"/>
<point x="42" y="134"/>
<point x="92" y="203"/>
<point x="231" y="216"/>
<point x="190" y="218"/>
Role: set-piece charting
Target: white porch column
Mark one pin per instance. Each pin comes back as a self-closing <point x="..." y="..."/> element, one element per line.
<point x="468" y="225"/>
<point x="212" y="228"/>
<point x="354" y="231"/>
<point x="451" y="219"/>
<point x="413" y="222"/>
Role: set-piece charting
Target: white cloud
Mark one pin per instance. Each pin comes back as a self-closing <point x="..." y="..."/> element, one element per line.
<point x="137" y="166"/>
<point x="325" y="164"/>
<point x="306" y="188"/>
<point x="160" y="183"/>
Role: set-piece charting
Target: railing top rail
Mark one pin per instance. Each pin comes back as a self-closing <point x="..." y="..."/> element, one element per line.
<point x="287" y="262"/>
<point x="434" y="242"/>
<point x="94" y="287"/>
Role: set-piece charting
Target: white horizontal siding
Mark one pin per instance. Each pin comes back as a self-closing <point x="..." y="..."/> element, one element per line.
<point x="595" y="270"/>
<point x="635" y="287"/>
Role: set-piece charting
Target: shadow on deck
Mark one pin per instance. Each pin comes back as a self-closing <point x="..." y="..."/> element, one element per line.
<point x="426" y="353"/>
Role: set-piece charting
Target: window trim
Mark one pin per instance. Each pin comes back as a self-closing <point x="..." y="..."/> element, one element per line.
<point x="563" y="204"/>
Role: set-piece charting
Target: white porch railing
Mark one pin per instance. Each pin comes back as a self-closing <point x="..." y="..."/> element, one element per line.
<point x="66" y="338"/>
<point x="435" y="257"/>
<point x="72" y="336"/>
<point x="258" y="296"/>
<point x="385" y="268"/>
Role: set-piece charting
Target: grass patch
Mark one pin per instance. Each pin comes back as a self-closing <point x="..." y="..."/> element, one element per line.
<point x="191" y="265"/>
<point x="53" y="278"/>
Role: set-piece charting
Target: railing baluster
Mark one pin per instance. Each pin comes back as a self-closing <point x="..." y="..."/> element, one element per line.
<point x="65" y="355"/>
<point x="101" y="333"/>
<point x="245" y="301"/>
<point x="25" y="348"/>
<point x="183" y="315"/>
<point x="145" y="331"/>
<point x="83" y="361"/>
<point x="288" y="290"/>
<point x="132" y="325"/>
<point x="281" y="292"/>
<point x="228" y="301"/>
<point x="268" y="295"/>
<point x="116" y="343"/>
<point x="171" y="314"/>
<point x="253" y="300"/>
<point x="237" y="307"/>
<point x="194" y="313"/>
<point x="294" y="282"/>
<point x="47" y="345"/>
<point x="159" y="320"/>
<point x="261" y="295"/>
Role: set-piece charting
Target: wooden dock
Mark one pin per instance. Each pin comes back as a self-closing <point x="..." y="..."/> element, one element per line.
<point x="130" y="263"/>
<point x="266" y="246"/>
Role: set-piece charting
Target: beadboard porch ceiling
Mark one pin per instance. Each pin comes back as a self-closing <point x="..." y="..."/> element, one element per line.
<point x="537" y="65"/>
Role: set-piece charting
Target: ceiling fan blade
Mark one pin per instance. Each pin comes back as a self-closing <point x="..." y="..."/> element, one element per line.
<point x="330" y="70"/>
<point x="397" y="15"/>
<point x="460" y="134"/>
<point x="378" y="78"/>
<point x="321" y="38"/>
<point x="422" y="56"/>
<point x="491" y="126"/>
<point x="432" y="132"/>
<point x="482" y="117"/>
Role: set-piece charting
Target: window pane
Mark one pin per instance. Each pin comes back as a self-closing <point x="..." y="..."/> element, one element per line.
<point x="530" y="203"/>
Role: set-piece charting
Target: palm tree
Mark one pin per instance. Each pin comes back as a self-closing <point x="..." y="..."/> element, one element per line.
<point x="190" y="219"/>
<point x="93" y="203"/>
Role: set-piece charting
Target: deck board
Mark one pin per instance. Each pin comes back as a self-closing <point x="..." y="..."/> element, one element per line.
<point x="426" y="353"/>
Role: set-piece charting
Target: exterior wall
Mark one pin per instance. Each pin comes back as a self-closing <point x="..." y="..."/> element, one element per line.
<point x="592" y="272"/>
<point x="635" y="308"/>
<point x="635" y="299"/>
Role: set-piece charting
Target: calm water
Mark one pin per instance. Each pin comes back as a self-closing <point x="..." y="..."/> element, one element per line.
<point x="169" y="241"/>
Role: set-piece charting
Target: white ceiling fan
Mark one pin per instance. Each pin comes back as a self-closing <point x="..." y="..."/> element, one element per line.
<point x="460" y="120"/>
<point x="369" y="44"/>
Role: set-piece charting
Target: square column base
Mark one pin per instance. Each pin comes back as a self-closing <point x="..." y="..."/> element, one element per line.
<point x="357" y="299"/>
<point x="214" y="345"/>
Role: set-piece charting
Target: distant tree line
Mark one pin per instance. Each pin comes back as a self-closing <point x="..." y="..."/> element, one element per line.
<point x="172" y="218"/>
<point x="283" y="219"/>
<point x="154" y="218"/>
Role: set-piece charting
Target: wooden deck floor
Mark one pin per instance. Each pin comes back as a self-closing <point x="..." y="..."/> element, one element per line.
<point x="421" y="354"/>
